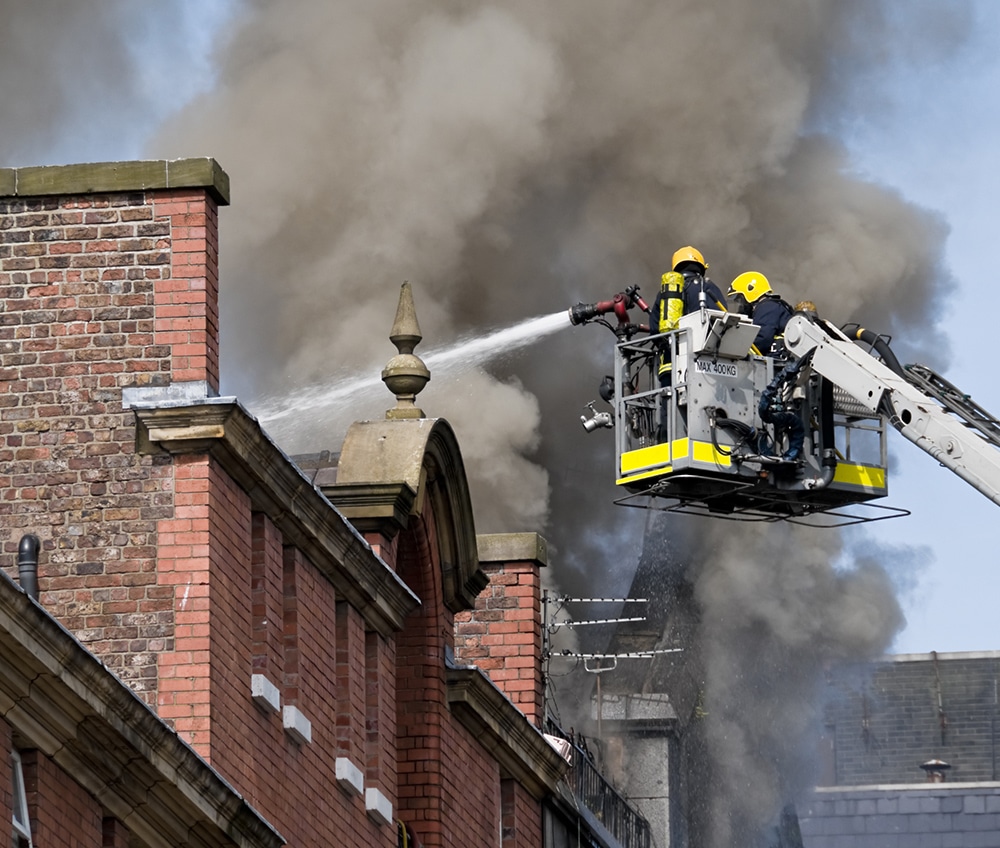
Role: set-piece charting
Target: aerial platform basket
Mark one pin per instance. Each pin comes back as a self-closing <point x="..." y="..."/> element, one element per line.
<point x="698" y="443"/>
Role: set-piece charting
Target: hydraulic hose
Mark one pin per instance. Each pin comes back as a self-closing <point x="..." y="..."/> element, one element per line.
<point x="828" y="447"/>
<point x="746" y="436"/>
<point x="878" y="343"/>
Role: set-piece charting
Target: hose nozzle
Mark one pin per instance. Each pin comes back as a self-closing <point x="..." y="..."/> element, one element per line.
<point x="582" y="313"/>
<point x="597" y="419"/>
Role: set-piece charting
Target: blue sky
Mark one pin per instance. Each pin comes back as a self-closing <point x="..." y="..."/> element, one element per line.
<point x="938" y="143"/>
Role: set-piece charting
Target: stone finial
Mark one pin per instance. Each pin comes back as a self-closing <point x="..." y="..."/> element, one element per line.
<point x="405" y="374"/>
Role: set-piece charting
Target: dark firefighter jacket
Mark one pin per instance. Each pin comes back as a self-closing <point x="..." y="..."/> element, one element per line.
<point x="714" y="298"/>
<point x="771" y="314"/>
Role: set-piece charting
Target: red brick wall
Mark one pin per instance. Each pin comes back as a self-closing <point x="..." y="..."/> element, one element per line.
<point x="183" y="567"/>
<point x="293" y="588"/>
<point x="268" y="598"/>
<point x="6" y="788"/>
<point x="420" y="695"/>
<point x="343" y="819"/>
<point x="230" y="626"/>
<point x="522" y="816"/>
<point x="100" y="292"/>
<point x="380" y="713"/>
<point x="114" y="834"/>
<point x="470" y="792"/>
<point x="62" y="812"/>
<point x="161" y="567"/>
<point x="229" y="567"/>
<point x="350" y="688"/>
<point x="503" y="634"/>
<point x="444" y="774"/>
<point x="187" y="303"/>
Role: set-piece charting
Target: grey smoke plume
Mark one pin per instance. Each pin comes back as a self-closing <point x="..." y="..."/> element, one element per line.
<point x="511" y="159"/>
<point x="773" y="615"/>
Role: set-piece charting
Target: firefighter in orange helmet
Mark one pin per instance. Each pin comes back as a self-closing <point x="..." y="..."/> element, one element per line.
<point x="698" y="289"/>
<point x="683" y="289"/>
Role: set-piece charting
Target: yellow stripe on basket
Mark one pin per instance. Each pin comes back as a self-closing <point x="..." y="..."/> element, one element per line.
<point x="869" y="476"/>
<point x="707" y="452"/>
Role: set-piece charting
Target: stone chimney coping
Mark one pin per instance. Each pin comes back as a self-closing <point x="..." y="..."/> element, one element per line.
<point x="104" y="177"/>
<point x="512" y="547"/>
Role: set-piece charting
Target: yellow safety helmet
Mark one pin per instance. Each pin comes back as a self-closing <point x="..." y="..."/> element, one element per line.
<point x="751" y="284"/>
<point x="688" y="254"/>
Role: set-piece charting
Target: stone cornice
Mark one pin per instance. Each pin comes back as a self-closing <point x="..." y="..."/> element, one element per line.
<point x="60" y="699"/>
<point x="504" y="731"/>
<point x="380" y="507"/>
<point x="221" y="428"/>
<point x="110" y="177"/>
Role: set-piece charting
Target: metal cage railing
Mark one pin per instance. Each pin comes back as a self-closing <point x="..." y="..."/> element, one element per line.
<point x="623" y="821"/>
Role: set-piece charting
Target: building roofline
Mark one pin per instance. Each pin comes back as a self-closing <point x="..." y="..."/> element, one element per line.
<point x="922" y="786"/>
<point x="941" y="657"/>
<point x="518" y="746"/>
<point x="59" y="698"/>
<point x="224" y="430"/>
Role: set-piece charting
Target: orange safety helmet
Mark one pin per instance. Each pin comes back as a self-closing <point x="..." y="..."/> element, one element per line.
<point x="688" y="254"/>
<point x="751" y="284"/>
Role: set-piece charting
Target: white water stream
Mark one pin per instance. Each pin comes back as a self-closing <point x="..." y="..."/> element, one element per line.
<point x="458" y="357"/>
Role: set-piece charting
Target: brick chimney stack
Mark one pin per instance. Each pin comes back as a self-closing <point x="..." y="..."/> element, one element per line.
<point x="109" y="284"/>
<point x="503" y="635"/>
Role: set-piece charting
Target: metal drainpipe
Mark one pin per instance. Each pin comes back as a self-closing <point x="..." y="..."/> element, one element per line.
<point x="27" y="564"/>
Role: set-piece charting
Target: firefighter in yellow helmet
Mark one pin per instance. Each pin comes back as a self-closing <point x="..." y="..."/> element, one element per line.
<point x="750" y="294"/>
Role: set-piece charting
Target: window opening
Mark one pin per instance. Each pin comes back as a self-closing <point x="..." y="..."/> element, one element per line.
<point x="20" y="821"/>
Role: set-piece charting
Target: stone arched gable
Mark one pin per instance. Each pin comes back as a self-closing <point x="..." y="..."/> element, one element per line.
<point x="380" y="460"/>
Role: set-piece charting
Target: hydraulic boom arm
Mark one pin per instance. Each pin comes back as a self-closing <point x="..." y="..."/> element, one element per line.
<point x="951" y="440"/>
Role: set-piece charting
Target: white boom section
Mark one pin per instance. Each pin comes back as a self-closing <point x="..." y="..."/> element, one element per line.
<point x="916" y="415"/>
